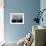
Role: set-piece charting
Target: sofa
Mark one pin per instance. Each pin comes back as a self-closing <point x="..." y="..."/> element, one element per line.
<point x="39" y="33"/>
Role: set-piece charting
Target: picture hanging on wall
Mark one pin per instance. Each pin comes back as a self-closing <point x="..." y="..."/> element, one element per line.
<point x="16" y="18"/>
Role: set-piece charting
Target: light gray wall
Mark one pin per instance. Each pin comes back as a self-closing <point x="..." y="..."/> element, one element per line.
<point x="43" y="6"/>
<point x="29" y="8"/>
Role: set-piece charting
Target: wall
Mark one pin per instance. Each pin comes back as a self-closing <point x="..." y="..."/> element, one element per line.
<point x="43" y="6"/>
<point x="29" y="8"/>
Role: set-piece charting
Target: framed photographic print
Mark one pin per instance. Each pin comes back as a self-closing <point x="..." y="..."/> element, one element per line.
<point x="16" y="18"/>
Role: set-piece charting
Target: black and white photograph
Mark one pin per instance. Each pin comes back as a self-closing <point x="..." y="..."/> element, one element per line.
<point x="16" y="18"/>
